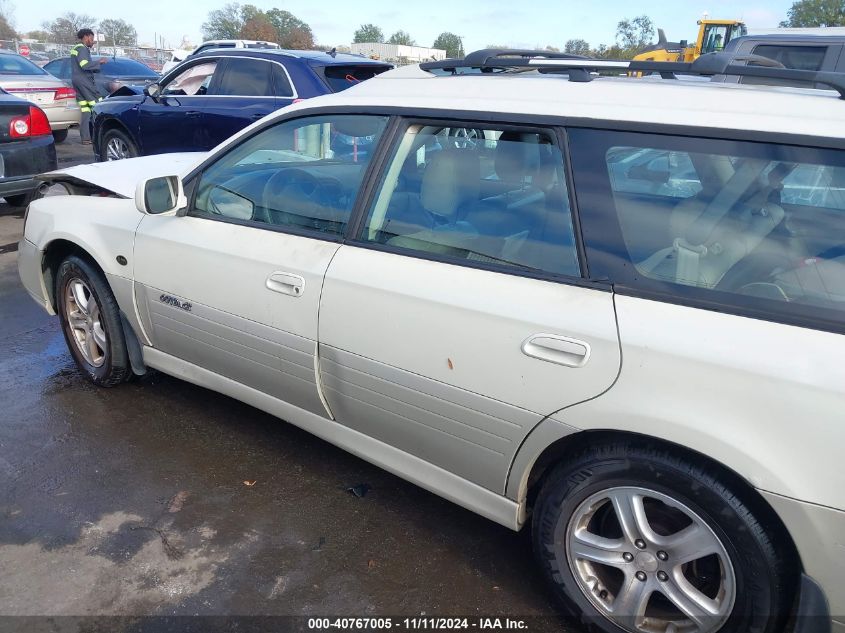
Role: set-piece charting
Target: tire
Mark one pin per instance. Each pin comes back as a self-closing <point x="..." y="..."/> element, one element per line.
<point x="93" y="333"/>
<point x="748" y="581"/>
<point x="20" y="200"/>
<point x="116" y="145"/>
<point x="59" y="135"/>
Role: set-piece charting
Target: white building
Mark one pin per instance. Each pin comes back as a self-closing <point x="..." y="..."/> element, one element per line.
<point x="398" y="53"/>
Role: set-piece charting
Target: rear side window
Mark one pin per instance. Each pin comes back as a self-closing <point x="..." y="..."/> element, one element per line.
<point x="795" y="57"/>
<point x="17" y="65"/>
<point x="478" y="195"/>
<point x="342" y="77"/>
<point x="245" y="78"/>
<point x="764" y="230"/>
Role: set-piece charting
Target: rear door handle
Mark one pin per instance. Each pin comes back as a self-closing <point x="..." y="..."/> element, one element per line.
<point x="286" y="283"/>
<point x="560" y="350"/>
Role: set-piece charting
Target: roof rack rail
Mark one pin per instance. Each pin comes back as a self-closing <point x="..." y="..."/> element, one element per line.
<point x="581" y="68"/>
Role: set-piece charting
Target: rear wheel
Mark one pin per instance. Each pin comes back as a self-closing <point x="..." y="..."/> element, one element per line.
<point x="636" y="540"/>
<point x="91" y="323"/>
<point x="59" y="135"/>
<point x="116" y="145"/>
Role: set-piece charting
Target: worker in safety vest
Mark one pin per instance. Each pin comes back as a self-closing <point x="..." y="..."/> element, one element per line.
<point x="82" y="77"/>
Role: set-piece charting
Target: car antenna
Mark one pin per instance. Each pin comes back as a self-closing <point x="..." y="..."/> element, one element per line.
<point x="333" y="52"/>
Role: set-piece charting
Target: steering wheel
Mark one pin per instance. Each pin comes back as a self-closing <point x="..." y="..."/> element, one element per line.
<point x="296" y="192"/>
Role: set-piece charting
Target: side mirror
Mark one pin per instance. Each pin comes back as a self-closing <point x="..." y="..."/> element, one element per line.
<point x="160" y="196"/>
<point x="153" y="90"/>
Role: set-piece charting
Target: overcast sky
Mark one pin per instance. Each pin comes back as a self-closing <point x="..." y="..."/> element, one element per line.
<point x="480" y="22"/>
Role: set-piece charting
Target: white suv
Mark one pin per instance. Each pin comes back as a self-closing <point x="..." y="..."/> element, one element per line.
<point x="609" y="308"/>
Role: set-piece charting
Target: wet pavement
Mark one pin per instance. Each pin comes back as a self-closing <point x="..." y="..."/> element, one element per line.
<point x="162" y="498"/>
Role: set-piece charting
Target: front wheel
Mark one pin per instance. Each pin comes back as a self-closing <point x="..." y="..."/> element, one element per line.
<point x="116" y="145"/>
<point x="91" y="323"/>
<point x="636" y="540"/>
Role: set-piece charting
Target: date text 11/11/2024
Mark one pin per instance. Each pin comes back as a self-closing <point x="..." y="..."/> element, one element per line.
<point x="417" y="623"/>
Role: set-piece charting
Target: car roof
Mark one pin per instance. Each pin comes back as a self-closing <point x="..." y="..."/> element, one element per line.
<point x="786" y="39"/>
<point x="320" y="57"/>
<point x="703" y="104"/>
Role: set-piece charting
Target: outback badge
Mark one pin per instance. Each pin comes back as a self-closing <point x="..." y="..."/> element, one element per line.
<point x="173" y="301"/>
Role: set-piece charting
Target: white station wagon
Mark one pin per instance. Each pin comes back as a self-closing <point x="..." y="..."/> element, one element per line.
<point x="608" y="308"/>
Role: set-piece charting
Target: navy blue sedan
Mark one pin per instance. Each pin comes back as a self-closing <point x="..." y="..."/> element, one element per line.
<point x="205" y="100"/>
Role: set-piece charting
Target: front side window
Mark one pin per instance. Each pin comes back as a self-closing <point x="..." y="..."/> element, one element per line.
<point x="715" y="38"/>
<point x="301" y="175"/>
<point x="795" y="57"/>
<point x="193" y="81"/>
<point x="765" y="227"/>
<point x="477" y="194"/>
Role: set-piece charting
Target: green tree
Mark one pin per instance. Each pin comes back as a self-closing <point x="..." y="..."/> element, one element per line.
<point x="634" y="35"/>
<point x="402" y="37"/>
<point x="451" y="43"/>
<point x="117" y="33"/>
<point x="224" y="24"/>
<point x="40" y="35"/>
<point x="291" y="32"/>
<point x="63" y="29"/>
<point x="368" y="33"/>
<point x="577" y="47"/>
<point x="809" y="13"/>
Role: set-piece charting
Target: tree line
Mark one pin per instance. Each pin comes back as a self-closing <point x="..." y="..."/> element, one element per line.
<point x="235" y="21"/>
<point x="63" y="29"/>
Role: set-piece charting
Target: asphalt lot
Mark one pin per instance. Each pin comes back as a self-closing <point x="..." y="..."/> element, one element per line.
<point x="134" y="501"/>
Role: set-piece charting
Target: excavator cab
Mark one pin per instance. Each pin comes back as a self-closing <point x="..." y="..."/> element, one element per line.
<point x="715" y="34"/>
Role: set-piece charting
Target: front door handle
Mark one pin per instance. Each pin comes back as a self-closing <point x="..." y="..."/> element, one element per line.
<point x="561" y="350"/>
<point x="286" y="283"/>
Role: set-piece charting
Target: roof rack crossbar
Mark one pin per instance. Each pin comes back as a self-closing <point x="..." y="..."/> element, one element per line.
<point x="489" y="60"/>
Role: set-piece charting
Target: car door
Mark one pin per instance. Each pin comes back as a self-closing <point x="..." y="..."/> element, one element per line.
<point x="172" y="121"/>
<point x="244" y="92"/>
<point x="455" y="323"/>
<point x="233" y="285"/>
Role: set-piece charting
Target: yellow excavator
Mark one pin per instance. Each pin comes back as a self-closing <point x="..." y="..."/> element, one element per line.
<point x="712" y="37"/>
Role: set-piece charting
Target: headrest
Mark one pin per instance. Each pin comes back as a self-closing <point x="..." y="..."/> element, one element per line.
<point x="517" y="156"/>
<point x="451" y="179"/>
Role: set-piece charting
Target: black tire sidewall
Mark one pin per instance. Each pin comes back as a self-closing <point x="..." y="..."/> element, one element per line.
<point x="117" y="133"/>
<point x="568" y="486"/>
<point x="59" y="136"/>
<point x="115" y="368"/>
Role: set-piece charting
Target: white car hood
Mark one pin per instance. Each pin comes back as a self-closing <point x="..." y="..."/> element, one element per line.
<point x="121" y="176"/>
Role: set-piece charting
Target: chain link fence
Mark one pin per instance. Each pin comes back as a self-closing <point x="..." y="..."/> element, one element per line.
<point x="42" y="52"/>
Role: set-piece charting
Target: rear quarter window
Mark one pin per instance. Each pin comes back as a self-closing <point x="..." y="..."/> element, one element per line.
<point x="762" y="235"/>
<point x="340" y="77"/>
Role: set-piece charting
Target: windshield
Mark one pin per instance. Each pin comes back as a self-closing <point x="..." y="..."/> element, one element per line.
<point x="17" y="65"/>
<point x="120" y="66"/>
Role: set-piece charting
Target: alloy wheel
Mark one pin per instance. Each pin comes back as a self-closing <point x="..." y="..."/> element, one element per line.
<point x="83" y="317"/>
<point x="647" y="562"/>
<point x="117" y="149"/>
